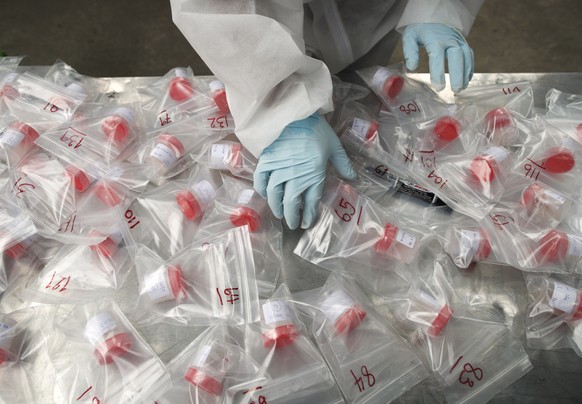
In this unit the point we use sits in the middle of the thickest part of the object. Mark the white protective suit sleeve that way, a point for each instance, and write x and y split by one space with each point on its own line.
458 14
256 48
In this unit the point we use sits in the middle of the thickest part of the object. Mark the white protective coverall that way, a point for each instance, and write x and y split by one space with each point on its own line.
257 48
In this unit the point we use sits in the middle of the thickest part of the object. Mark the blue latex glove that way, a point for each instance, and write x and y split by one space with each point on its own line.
293 167
439 40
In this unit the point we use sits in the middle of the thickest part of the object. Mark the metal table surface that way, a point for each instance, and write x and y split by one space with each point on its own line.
555 375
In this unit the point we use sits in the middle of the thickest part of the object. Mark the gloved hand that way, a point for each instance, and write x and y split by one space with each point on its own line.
439 39
293 167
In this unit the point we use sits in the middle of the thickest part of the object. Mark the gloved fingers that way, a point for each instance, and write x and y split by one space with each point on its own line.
456 62
340 159
436 65
261 180
469 63
292 201
410 48
275 193
311 204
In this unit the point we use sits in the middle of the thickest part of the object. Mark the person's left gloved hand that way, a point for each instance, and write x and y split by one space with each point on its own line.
293 167
439 40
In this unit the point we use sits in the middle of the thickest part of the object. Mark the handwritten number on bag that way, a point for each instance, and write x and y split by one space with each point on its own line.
381 170
409 108
468 372
51 106
359 381
21 186
501 220
349 210
464 377
508 90
59 286
74 141
262 399
219 122
94 400
132 219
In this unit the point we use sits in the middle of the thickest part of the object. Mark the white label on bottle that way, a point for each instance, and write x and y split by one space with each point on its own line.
180 72
116 236
98 326
563 297
554 196
6 335
570 143
361 127
125 113
77 88
380 78
157 286
164 154
216 85
337 303
9 78
11 137
496 153
574 246
115 174
276 311
204 191
202 355
470 241
218 153
245 196
405 238
430 299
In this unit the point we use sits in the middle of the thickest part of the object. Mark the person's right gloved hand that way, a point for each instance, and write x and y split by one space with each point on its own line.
292 169
441 42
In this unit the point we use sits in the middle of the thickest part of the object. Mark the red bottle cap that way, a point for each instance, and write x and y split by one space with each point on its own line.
113 347
481 170
393 86
116 128
577 314
246 216
173 142
188 205
180 89
106 248
4 356
559 161
440 322
552 247
349 320
387 239
280 336
15 252
9 92
484 247
207 383
30 134
107 194
528 197
80 179
373 131
447 129
221 102
176 277
236 158
498 118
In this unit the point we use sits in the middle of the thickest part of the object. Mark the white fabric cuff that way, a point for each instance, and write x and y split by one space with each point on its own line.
454 13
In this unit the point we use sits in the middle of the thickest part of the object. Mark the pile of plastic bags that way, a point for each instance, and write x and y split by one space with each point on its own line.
123 210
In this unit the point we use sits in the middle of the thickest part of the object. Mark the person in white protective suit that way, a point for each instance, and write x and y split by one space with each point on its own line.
276 92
